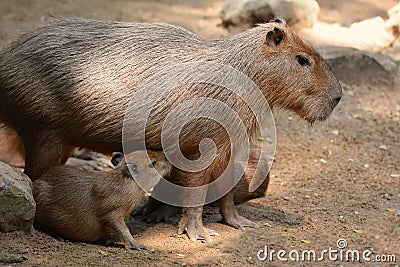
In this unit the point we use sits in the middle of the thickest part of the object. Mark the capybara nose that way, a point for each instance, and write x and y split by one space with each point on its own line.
336 100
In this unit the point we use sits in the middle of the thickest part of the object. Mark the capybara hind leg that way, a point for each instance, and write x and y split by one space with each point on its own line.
43 155
230 214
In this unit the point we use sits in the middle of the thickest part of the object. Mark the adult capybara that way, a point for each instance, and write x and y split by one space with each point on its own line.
67 84
91 206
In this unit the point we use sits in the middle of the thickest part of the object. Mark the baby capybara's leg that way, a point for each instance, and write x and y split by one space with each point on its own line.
118 234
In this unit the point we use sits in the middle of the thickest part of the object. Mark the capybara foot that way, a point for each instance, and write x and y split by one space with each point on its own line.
132 244
239 222
230 214
152 205
162 214
192 224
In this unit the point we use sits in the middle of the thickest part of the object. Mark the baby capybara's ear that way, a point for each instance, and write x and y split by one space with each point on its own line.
116 158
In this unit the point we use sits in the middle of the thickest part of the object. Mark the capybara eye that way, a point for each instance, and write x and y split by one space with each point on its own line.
303 61
152 164
132 167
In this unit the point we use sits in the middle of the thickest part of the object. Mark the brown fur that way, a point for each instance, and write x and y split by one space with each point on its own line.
68 83
155 211
91 206
11 148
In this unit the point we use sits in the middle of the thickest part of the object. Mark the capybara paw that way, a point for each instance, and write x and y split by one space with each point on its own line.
141 210
162 214
196 231
239 222
135 245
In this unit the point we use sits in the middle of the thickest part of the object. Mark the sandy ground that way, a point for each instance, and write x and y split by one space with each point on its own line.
337 179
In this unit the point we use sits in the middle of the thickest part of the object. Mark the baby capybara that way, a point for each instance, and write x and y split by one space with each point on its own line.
91 206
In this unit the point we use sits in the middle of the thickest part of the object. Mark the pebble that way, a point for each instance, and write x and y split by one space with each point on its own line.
383 147
335 132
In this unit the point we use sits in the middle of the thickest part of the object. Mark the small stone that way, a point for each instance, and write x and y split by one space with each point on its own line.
323 161
335 132
103 252
383 147
286 198
366 165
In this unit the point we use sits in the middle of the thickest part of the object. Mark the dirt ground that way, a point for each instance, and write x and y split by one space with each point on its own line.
336 179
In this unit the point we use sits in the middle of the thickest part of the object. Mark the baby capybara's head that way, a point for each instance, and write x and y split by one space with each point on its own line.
141 164
292 74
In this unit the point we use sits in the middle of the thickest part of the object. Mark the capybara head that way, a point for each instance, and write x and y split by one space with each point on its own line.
142 163
292 74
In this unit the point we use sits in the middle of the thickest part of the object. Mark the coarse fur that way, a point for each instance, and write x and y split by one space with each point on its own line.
155 211
68 83
91 206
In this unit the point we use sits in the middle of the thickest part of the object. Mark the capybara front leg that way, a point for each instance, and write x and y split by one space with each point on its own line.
192 224
230 214
119 234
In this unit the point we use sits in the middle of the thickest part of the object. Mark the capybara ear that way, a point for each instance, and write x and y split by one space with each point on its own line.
116 158
278 20
275 37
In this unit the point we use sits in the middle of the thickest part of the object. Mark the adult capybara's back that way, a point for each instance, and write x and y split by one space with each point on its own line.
68 84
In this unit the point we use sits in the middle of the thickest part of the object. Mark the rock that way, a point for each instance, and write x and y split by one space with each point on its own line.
17 206
248 12
356 67
301 13
393 23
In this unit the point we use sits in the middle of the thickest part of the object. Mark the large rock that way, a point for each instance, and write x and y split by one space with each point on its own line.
17 206
301 13
356 67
